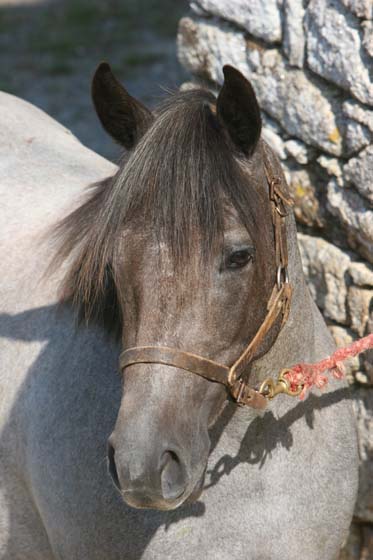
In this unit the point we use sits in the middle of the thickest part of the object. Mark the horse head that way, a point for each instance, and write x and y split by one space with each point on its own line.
176 250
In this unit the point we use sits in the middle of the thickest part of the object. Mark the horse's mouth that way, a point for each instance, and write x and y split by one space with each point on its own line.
144 500
139 501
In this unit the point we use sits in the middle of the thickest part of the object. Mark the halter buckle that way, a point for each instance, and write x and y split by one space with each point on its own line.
247 396
237 392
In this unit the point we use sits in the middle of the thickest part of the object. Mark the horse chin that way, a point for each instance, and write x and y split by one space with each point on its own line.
138 500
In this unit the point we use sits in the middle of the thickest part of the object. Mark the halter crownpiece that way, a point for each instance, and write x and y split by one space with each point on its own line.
278 307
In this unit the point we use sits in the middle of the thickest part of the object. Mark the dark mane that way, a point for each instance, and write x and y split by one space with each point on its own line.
176 183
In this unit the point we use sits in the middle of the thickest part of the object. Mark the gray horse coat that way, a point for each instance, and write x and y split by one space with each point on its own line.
280 485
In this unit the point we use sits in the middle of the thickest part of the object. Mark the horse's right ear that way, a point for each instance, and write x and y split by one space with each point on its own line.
122 116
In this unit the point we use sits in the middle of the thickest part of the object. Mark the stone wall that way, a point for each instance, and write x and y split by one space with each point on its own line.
310 63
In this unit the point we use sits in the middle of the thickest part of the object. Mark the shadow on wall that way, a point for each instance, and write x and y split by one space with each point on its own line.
50 49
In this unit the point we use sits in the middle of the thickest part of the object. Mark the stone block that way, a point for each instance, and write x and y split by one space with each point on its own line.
361 274
357 137
294 99
361 8
360 305
359 172
302 183
355 215
261 19
294 39
325 267
204 48
359 113
334 48
367 27
333 167
299 151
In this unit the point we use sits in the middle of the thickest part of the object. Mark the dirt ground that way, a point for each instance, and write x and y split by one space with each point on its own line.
50 48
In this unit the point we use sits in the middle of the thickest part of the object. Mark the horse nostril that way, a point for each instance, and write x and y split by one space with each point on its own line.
173 476
112 467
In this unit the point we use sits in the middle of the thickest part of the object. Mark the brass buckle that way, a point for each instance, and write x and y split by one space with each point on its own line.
244 395
271 388
237 391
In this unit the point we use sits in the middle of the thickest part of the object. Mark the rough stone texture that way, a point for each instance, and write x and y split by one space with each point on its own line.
288 94
360 303
367 27
359 113
359 171
361 8
298 150
355 215
325 266
357 136
294 40
334 48
333 167
322 130
361 274
201 51
302 182
261 19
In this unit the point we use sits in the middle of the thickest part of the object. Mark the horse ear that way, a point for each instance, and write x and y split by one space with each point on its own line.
238 110
122 116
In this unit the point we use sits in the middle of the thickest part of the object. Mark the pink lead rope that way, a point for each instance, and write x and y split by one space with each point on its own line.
308 375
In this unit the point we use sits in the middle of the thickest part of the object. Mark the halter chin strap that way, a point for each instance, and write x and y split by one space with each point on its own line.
278 308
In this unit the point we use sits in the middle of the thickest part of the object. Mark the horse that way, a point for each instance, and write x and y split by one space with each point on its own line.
174 249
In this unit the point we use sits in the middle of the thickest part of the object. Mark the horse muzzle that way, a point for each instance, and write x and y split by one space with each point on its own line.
161 482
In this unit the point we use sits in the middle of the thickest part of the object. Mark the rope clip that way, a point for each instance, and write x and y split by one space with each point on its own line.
270 388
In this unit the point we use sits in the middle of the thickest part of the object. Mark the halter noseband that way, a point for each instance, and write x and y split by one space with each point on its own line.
278 307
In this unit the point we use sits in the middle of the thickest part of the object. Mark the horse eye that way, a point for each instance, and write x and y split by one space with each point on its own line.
239 259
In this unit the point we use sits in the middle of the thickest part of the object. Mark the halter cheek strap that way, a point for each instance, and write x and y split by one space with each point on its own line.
278 307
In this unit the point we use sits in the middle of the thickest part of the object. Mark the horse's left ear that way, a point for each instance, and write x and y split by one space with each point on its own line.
238 110
121 115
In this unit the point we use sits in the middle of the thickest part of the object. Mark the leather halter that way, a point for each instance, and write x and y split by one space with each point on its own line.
278 307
